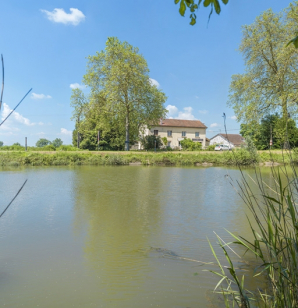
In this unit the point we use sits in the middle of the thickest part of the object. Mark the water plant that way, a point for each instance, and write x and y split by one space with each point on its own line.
274 227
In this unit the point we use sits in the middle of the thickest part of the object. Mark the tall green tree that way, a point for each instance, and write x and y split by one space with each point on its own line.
120 75
57 142
79 103
270 81
42 142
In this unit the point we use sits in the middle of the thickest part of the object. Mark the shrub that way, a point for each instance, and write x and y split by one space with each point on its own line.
189 145
150 142
165 141
211 147
49 147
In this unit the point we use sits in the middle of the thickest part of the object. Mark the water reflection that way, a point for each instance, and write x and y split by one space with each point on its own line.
121 210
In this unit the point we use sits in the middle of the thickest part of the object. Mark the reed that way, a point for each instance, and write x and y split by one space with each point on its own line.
274 227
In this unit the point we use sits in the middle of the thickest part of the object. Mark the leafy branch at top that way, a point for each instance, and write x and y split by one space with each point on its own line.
193 5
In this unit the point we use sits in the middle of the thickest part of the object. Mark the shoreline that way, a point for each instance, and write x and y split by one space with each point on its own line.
203 159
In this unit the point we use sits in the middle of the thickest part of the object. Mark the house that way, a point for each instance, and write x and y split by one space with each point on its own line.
176 130
232 140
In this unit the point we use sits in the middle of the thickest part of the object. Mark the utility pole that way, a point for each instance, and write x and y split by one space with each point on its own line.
25 143
98 137
78 141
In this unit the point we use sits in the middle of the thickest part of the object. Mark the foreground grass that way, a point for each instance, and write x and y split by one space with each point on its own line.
240 157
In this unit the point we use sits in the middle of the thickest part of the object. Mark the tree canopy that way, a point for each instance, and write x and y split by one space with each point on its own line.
57 142
42 142
270 81
122 98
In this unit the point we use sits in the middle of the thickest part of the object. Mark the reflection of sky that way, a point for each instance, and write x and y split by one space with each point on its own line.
80 237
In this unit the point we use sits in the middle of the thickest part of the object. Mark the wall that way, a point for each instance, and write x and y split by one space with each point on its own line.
220 140
177 134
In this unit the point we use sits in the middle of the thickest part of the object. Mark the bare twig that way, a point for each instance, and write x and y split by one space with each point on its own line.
15 107
2 81
13 198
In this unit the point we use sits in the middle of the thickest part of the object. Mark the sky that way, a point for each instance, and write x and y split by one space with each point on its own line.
45 45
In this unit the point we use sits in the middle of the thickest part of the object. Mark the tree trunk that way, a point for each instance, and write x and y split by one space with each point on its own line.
127 132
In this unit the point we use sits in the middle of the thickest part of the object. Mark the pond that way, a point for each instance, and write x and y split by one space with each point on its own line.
90 236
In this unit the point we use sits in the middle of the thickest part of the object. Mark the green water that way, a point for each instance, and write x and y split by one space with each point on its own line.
83 236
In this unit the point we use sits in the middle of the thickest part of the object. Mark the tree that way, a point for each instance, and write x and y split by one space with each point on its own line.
1 143
79 103
57 142
119 75
271 126
16 144
193 5
270 82
42 142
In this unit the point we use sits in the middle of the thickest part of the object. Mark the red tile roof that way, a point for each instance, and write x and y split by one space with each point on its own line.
181 123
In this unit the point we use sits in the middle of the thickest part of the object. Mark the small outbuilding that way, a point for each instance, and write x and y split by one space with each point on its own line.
232 140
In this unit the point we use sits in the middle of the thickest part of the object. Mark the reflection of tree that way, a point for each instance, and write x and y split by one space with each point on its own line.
120 205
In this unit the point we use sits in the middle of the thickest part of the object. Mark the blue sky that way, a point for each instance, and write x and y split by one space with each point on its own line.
45 45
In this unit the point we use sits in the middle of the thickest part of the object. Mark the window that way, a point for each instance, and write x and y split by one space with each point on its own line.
183 134
169 133
169 143
155 132
197 134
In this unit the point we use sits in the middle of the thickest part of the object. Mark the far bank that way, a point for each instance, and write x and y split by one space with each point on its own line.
203 158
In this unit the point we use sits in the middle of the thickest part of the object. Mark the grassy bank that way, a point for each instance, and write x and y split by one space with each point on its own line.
241 157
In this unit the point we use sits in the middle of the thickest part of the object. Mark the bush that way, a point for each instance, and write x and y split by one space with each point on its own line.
211 147
165 141
189 145
150 142
49 147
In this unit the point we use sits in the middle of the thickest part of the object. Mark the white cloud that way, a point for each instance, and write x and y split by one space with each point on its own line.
203 111
234 117
186 114
40 96
154 82
77 86
214 125
60 16
14 116
172 110
66 132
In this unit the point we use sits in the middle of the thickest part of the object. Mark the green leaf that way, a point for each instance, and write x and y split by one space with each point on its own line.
193 21
294 41
225 1
207 2
182 8
177 1
216 6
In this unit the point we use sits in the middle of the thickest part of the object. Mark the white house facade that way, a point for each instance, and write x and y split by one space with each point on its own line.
176 130
231 140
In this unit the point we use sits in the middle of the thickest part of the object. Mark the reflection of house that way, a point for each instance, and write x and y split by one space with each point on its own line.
234 140
176 130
